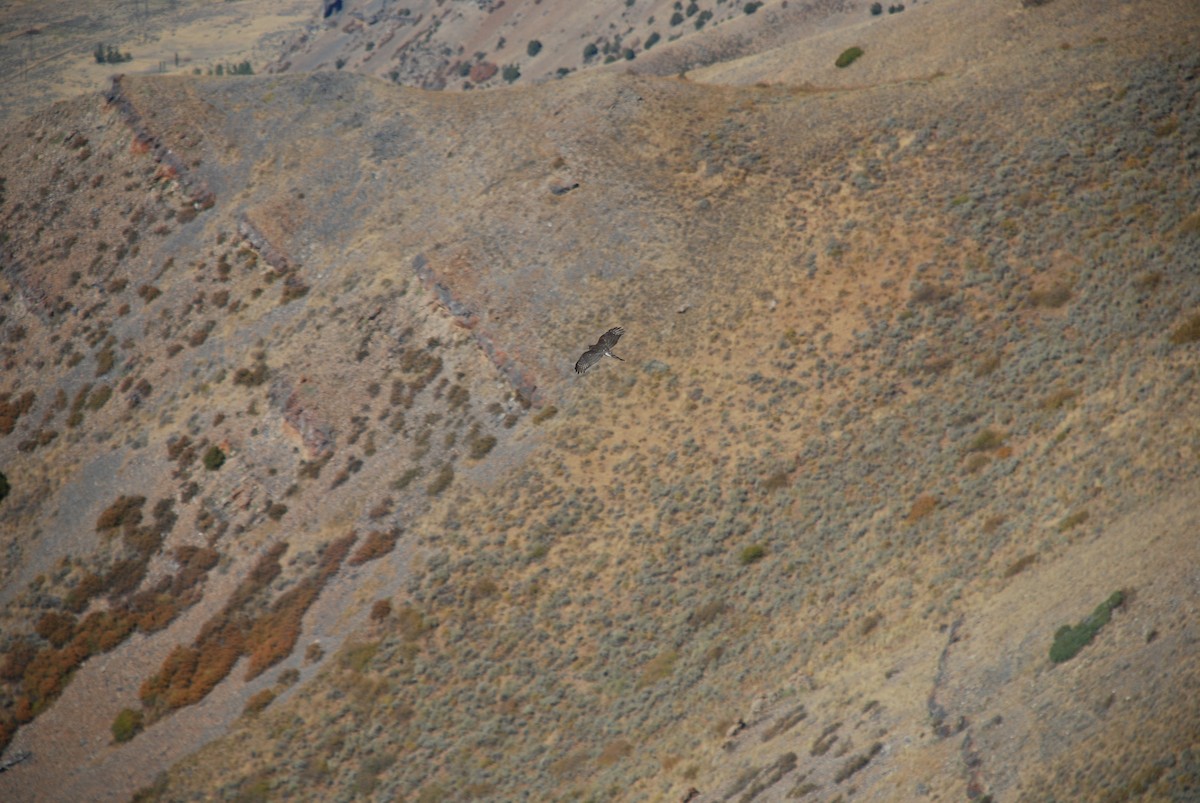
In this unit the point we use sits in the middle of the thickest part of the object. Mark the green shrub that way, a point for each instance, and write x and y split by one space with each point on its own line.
848 57
251 377
127 725
752 554
510 73
533 48
481 446
855 764
985 441
293 288
405 479
99 397
105 360
214 458
1068 641
288 677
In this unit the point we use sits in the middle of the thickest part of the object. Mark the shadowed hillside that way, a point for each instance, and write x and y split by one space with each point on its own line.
305 499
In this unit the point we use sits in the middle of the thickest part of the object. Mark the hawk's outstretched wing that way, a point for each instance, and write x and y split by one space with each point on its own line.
588 359
603 347
609 339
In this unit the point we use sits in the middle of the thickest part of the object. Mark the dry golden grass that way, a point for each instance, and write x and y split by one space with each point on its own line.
922 506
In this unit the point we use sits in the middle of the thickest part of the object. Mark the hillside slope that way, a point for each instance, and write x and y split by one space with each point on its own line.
489 43
908 385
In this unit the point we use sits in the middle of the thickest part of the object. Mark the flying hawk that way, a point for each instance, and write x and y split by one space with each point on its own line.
602 349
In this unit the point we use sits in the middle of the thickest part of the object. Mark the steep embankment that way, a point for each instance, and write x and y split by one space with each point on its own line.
908 385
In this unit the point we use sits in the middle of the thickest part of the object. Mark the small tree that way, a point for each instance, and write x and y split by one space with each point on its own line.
107 54
534 48
511 73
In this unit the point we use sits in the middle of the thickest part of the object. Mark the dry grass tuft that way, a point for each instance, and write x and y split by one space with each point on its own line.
1187 332
377 544
1053 297
921 507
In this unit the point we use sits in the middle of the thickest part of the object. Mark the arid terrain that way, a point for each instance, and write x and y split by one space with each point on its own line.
48 47
894 496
